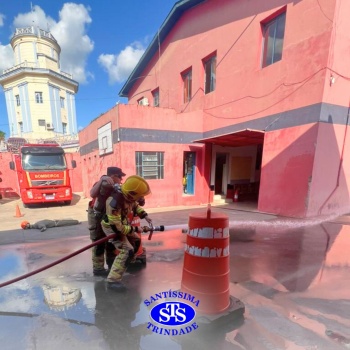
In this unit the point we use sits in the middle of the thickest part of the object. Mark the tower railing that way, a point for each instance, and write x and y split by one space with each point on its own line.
27 64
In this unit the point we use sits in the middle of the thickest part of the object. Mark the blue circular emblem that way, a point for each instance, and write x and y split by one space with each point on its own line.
172 313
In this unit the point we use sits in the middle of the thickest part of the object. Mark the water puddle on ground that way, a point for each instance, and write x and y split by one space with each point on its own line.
292 279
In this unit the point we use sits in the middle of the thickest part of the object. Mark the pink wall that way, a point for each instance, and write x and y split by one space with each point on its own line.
287 170
244 91
329 192
165 192
309 166
76 173
304 170
8 186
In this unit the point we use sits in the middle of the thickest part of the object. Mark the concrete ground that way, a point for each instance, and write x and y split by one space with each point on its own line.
290 277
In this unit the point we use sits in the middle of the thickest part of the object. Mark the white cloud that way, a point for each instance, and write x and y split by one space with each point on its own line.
37 17
2 18
70 33
120 66
6 57
76 45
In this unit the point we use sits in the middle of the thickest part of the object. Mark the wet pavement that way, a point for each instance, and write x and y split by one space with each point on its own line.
292 277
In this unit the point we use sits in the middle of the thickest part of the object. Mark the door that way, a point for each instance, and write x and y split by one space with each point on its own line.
189 172
220 175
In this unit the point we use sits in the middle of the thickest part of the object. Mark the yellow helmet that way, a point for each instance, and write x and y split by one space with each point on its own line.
134 188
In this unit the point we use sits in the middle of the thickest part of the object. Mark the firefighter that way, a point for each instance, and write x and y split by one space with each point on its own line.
118 209
101 190
45 224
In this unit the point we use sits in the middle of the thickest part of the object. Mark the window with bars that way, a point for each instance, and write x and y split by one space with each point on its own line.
273 37
210 74
150 165
187 85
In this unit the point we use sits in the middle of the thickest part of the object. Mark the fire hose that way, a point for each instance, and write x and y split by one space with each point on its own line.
149 229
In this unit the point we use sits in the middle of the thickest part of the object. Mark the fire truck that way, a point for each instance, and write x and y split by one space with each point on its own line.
42 173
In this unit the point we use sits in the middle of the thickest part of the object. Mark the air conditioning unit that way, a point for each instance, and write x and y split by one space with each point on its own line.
49 126
144 102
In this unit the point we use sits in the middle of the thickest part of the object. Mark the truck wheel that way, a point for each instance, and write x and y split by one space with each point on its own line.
67 202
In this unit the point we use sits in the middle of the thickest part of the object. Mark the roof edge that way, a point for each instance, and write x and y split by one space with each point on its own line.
175 13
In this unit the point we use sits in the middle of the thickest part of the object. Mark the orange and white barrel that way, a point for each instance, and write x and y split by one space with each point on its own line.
206 270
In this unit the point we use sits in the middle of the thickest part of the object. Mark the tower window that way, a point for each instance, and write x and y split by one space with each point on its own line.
18 101
38 97
62 102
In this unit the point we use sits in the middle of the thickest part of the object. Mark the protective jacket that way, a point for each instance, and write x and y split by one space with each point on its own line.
117 213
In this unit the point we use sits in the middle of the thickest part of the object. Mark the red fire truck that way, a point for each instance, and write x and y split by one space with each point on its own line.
42 174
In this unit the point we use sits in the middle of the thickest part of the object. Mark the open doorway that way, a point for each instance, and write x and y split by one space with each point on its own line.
189 172
220 173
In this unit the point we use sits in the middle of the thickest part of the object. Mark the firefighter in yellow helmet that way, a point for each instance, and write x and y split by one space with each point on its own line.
118 207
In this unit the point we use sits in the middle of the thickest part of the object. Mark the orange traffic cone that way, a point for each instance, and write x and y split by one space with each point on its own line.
18 212
206 269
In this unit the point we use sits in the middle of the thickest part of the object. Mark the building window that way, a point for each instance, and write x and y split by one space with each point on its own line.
18 101
62 102
273 36
150 165
210 74
155 94
42 122
20 126
64 128
39 97
143 101
187 83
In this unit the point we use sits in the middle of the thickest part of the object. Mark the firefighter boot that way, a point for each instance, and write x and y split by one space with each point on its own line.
98 262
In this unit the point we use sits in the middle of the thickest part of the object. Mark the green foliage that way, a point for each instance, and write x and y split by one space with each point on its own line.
2 135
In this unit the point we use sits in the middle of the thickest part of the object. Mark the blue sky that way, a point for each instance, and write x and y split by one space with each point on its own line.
101 42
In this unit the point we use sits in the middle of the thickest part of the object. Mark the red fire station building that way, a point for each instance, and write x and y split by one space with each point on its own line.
248 97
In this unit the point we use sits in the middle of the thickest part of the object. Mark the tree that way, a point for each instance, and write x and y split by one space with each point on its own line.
2 135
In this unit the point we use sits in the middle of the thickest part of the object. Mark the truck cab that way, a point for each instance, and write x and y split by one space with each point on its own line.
43 174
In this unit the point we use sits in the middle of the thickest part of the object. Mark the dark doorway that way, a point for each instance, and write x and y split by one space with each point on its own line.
219 172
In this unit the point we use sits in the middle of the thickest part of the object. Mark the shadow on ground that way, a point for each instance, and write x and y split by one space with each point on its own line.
75 200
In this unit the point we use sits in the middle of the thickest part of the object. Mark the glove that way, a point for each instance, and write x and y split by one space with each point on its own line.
136 229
